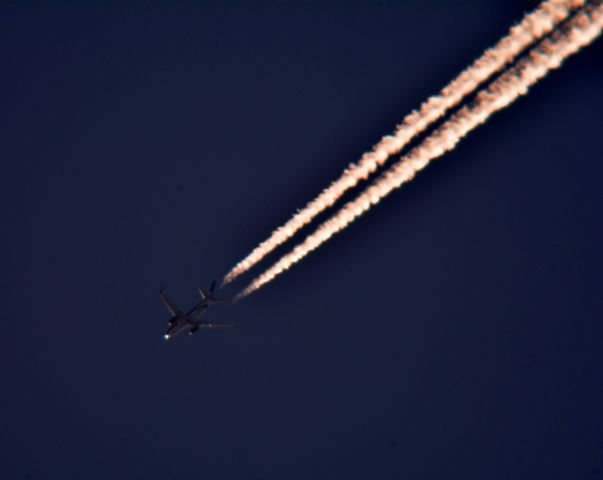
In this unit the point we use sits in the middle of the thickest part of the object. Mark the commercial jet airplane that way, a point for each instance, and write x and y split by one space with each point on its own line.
181 321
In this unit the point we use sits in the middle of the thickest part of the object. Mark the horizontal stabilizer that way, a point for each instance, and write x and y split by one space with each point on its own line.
208 295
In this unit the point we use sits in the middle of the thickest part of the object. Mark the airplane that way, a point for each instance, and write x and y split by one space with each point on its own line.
181 321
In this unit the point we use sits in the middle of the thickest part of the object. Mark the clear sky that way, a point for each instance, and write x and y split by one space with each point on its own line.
452 332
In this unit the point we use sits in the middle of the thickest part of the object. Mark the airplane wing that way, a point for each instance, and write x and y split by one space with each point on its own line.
218 325
173 309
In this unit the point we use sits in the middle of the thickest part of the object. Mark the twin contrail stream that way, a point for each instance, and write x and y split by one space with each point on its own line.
578 31
533 27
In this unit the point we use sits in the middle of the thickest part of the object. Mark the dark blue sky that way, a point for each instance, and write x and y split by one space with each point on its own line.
452 332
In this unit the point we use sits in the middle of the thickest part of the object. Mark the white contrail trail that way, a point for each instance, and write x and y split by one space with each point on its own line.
533 27
579 31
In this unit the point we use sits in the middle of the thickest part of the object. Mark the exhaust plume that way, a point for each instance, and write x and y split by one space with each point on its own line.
578 32
531 28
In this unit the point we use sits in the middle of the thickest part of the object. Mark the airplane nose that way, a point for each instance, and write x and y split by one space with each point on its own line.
167 337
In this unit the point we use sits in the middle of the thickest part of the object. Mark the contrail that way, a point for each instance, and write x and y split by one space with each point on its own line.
579 31
533 27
